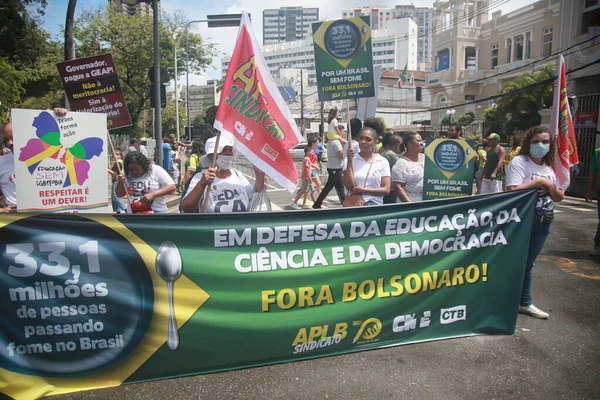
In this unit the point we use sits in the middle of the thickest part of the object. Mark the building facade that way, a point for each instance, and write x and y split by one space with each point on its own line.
288 24
379 15
132 7
423 16
393 48
201 97
578 35
474 57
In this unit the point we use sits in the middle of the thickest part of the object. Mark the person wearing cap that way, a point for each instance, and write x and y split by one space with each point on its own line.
230 191
143 144
492 182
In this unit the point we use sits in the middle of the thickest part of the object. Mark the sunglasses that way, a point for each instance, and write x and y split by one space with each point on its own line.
536 141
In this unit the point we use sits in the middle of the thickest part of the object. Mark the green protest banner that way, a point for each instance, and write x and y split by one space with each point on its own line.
91 301
449 168
343 58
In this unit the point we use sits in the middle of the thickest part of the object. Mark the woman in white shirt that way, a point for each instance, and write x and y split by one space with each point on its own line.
367 172
230 191
146 183
408 172
532 169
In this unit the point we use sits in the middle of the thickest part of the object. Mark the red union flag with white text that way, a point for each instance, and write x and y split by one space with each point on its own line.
254 113
562 129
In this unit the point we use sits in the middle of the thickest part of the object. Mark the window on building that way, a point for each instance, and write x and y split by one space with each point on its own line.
590 17
470 97
494 55
508 50
419 94
528 45
519 48
547 42
470 58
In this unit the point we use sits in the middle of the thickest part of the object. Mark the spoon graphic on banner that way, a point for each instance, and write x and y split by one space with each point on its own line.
168 267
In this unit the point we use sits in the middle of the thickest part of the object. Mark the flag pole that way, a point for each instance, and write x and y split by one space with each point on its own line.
349 127
112 149
214 163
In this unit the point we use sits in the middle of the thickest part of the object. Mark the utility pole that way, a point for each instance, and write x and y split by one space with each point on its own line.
322 122
302 130
157 87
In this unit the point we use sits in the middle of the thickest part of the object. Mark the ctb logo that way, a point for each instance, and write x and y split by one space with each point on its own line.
451 315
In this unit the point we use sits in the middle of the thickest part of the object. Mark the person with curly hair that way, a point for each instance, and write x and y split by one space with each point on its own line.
533 169
146 183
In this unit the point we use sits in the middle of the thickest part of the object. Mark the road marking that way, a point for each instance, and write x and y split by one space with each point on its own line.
569 266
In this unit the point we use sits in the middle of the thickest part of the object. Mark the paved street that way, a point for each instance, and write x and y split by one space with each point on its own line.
557 358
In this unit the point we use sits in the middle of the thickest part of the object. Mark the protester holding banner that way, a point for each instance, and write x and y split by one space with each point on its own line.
230 191
334 130
367 173
146 183
408 172
533 168
7 166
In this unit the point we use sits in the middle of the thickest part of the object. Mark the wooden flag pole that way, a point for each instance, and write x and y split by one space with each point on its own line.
349 127
112 149
214 163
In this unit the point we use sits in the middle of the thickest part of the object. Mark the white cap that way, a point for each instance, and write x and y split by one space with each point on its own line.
209 147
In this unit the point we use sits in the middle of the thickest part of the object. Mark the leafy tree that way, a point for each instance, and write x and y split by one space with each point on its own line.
466 118
168 119
535 91
130 40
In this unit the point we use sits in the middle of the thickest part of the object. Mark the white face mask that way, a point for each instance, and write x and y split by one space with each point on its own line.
225 162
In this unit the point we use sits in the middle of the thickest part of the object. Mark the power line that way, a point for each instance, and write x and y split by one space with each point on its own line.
525 88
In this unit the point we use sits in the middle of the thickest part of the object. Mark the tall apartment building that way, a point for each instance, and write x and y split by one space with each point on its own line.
393 48
132 7
474 57
379 15
287 24
423 16
201 97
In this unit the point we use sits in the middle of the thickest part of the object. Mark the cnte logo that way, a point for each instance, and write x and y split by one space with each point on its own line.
450 315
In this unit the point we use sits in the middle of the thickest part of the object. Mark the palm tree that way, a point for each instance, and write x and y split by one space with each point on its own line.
220 83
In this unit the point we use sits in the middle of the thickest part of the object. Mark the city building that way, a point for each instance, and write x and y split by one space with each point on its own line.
393 48
474 57
132 7
423 16
580 22
379 15
201 97
288 24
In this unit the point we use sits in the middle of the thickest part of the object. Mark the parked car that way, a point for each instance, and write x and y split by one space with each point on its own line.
298 152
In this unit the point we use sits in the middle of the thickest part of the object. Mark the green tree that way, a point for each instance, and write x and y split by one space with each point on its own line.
130 40
466 118
169 125
534 92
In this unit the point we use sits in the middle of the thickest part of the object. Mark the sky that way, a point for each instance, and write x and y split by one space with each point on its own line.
224 38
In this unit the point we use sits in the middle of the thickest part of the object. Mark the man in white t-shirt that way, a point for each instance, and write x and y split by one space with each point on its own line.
7 171
143 144
335 158
229 190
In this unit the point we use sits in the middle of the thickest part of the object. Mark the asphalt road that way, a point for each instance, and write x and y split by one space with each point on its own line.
558 358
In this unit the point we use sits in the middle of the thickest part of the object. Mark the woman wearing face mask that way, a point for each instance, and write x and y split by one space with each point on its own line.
230 191
533 169
146 183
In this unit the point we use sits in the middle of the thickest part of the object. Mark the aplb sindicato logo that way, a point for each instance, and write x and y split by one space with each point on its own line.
318 337
368 332
451 315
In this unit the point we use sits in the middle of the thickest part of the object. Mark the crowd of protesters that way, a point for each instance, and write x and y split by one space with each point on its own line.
369 168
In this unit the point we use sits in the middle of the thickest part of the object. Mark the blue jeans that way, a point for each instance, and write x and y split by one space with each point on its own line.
597 237
539 233
117 203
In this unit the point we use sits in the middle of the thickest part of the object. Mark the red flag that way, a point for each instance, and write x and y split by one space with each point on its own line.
561 126
253 111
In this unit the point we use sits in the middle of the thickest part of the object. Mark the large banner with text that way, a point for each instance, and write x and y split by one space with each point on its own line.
92 301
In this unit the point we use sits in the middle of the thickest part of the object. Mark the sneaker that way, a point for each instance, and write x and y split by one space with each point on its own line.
533 311
595 252
295 206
